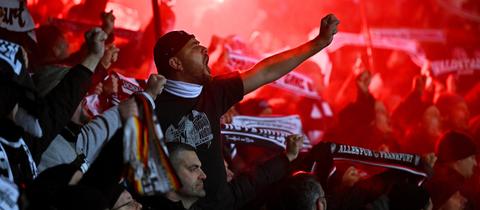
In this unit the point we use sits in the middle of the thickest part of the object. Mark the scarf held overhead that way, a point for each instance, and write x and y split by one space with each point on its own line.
263 131
400 161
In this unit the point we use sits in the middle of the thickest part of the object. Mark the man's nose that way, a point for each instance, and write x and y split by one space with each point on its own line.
202 175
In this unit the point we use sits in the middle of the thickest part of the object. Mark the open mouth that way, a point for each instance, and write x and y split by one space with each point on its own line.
206 59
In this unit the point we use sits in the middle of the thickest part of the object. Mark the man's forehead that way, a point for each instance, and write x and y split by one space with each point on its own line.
192 41
189 158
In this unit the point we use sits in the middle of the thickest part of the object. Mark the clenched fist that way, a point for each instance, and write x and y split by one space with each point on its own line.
155 85
328 28
95 39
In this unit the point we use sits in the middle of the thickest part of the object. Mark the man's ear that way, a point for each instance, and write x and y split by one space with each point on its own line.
319 205
175 63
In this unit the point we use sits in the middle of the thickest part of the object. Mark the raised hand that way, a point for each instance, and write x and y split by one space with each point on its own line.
108 21
95 39
155 85
294 145
419 83
363 81
110 56
328 28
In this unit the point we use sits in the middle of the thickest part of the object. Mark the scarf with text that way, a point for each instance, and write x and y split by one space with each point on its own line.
400 161
263 131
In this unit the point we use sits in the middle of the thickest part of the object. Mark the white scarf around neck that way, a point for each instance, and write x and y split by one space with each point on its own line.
183 89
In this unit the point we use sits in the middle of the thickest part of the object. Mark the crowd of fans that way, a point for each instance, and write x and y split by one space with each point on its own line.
65 120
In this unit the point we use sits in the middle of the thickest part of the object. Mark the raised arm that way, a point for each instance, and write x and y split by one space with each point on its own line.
274 67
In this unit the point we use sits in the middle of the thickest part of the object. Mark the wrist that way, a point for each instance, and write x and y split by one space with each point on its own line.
290 156
91 61
150 93
320 42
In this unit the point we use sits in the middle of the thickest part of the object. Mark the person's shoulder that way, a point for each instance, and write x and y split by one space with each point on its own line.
226 76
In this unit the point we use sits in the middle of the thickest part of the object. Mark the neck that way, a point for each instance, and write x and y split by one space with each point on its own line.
187 202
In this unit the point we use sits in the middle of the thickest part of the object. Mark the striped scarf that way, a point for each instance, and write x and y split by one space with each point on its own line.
150 170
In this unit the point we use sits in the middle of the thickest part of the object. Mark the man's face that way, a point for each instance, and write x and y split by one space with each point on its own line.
460 115
190 174
194 59
466 167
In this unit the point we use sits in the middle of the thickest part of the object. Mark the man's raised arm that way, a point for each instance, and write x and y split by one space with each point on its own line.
274 67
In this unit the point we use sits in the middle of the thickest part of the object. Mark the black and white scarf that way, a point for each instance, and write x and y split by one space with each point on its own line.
400 161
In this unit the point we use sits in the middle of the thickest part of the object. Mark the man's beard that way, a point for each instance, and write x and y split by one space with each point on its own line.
205 79
193 192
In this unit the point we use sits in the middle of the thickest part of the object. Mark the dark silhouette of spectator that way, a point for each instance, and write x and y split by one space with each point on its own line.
299 192
454 111
455 165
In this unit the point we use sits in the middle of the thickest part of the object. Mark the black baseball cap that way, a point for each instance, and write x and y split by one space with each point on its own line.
168 46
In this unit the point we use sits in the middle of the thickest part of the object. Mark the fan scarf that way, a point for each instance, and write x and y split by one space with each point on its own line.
150 170
400 161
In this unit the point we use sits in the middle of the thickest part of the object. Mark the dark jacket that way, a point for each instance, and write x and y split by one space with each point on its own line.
53 112
444 183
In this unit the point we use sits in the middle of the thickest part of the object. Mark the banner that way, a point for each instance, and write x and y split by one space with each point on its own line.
15 16
461 9
408 46
460 66
420 35
264 131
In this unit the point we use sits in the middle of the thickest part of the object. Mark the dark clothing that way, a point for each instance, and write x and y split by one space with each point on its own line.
197 122
159 202
445 183
58 106
18 165
244 188
53 112
418 141
409 112
367 191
